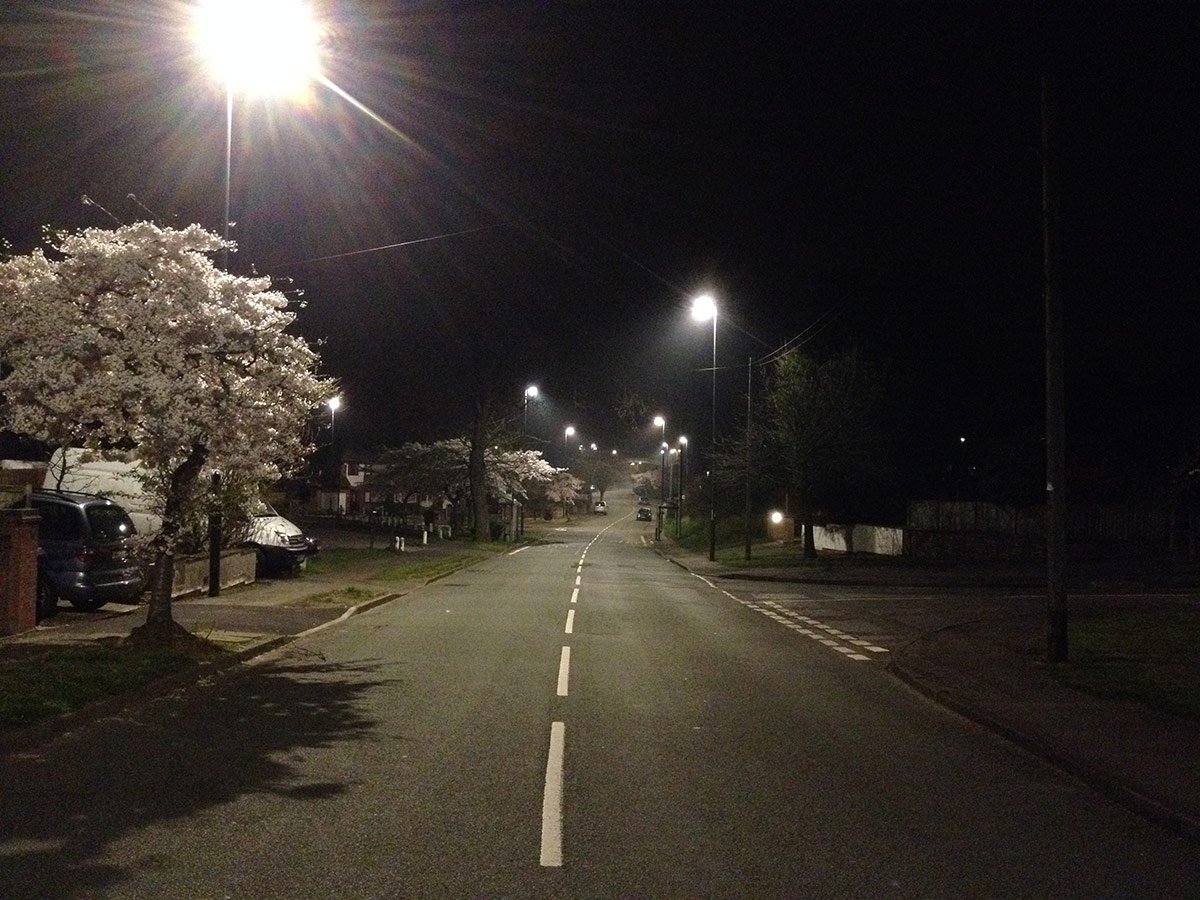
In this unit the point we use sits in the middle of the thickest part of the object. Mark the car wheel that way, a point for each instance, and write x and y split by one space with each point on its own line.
47 599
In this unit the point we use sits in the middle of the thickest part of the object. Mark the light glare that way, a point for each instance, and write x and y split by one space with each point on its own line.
704 308
259 46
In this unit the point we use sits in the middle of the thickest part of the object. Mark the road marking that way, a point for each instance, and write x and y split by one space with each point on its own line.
794 621
552 798
580 567
564 671
578 580
519 549
570 620
574 595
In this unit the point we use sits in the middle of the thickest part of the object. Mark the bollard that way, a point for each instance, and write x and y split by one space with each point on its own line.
396 543
401 545
424 538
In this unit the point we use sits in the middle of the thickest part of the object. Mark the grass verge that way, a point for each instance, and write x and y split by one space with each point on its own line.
339 560
417 568
56 680
1150 656
348 596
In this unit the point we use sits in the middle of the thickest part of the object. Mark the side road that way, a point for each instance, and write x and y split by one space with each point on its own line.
980 666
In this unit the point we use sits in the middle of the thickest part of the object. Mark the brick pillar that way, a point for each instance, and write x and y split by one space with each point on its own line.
18 570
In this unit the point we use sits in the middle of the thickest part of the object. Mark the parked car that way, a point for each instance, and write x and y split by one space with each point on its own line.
601 508
279 544
85 552
644 514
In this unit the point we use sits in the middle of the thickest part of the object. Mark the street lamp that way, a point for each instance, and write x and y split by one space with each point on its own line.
683 442
660 422
704 308
265 47
531 393
662 487
334 404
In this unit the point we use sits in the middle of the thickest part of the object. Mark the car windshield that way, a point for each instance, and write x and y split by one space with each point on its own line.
110 523
262 508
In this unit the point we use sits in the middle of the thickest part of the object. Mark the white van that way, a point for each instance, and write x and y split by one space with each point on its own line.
280 544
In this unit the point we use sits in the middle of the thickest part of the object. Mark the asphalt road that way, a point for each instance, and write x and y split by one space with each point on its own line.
584 719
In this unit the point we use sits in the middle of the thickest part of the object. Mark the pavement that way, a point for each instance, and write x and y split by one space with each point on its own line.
979 667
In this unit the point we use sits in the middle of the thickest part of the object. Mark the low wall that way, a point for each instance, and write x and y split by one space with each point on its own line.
191 572
865 539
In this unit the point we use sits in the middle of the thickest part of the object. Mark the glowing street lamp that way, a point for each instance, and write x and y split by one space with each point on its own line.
257 47
334 404
531 393
704 308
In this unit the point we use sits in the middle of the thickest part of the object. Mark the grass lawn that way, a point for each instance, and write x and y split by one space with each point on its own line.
50 681
419 568
1147 655
342 559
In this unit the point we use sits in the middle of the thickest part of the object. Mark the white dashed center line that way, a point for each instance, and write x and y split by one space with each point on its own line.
552 798
564 671
570 621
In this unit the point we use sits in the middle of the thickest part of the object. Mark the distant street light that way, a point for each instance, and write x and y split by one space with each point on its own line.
334 404
264 47
531 393
662 487
704 308
660 422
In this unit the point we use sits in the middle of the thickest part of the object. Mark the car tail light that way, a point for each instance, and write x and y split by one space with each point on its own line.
87 557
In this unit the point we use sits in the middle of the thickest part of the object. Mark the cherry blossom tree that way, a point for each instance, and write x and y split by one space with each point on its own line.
130 341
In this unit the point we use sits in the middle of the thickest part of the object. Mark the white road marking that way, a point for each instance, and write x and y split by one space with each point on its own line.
790 619
570 621
578 580
574 595
552 798
564 671
519 549
579 568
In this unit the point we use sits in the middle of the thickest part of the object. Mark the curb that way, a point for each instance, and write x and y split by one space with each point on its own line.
1107 784
40 733
25 739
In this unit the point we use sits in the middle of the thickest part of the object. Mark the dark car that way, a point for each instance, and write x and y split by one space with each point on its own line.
85 552
644 514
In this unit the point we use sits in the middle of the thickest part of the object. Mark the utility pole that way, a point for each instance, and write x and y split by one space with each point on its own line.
749 387
1056 500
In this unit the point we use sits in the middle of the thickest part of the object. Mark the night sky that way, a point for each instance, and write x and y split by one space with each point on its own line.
869 171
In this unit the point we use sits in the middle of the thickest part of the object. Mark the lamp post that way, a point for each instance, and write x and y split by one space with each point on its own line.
260 47
704 308
334 404
683 443
662 487
660 422
531 393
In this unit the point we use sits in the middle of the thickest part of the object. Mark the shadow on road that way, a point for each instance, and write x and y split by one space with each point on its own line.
185 755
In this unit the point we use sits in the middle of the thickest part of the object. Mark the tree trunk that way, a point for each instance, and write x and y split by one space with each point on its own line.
810 537
478 474
159 617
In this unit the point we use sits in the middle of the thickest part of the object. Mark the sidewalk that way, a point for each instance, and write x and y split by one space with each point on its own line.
981 668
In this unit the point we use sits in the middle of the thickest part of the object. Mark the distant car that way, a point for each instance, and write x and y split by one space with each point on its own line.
644 514
601 508
85 552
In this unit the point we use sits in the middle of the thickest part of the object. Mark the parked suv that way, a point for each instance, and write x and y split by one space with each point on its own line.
85 552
